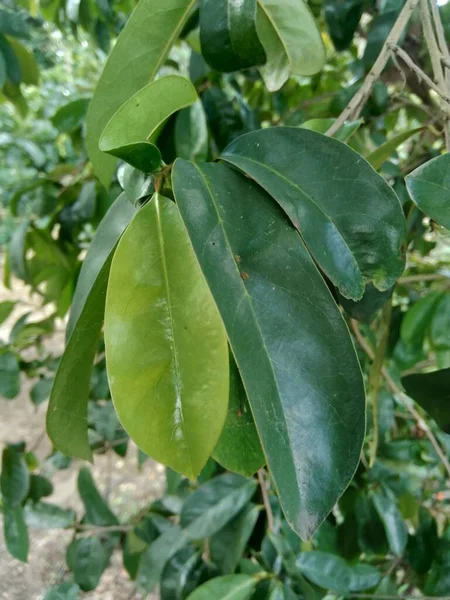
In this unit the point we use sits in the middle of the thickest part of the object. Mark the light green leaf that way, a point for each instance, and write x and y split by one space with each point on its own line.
228 587
343 134
15 532
67 410
28 64
138 54
43 515
214 504
166 348
349 217
9 374
191 133
429 188
239 449
289 339
291 40
141 116
384 152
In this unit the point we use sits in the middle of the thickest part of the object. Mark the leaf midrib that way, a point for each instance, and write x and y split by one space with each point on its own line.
174 346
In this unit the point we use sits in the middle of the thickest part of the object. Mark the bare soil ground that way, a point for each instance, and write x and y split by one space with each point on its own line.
127 488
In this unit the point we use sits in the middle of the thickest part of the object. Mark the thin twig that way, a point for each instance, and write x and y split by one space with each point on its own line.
406 400
422 76
435 55
419 278
445 52
354 107
265 495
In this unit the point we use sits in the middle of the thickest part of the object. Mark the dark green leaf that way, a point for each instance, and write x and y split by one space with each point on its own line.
87 558
15 532
63 591
6 308
71 116
395 527
96 507
228 587
228 35
14 23
432 392
28 64
40 487
177 572
41 391
239 449
44 515
215 503
261 277
381 154
440 325
166 348
14 478
342 17
325 570
363 577
417 320
9 375
429 188
350 247
365 309
16 251
13 68
228 544
146 53
67 411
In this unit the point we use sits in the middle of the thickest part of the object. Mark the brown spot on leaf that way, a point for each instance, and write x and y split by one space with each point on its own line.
244 275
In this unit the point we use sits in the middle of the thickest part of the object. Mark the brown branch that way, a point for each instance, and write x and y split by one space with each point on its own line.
266 500
406 400
354 107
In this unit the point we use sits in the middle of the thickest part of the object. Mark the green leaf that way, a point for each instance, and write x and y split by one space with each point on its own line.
9 374
14 478
87 558
135 60
15 532
440 325
28 64
3 70
135 122
96 507
180 574
429 188
13 68
135 184
325 570
166 347
16 251
366 308
395 527
286 333
343 134
417 320
384 152
356 233
44 515
228 35
71 116
63 591
363 577
342 17
40 487
14 23
228 545
67 410
432 392
228 587
191 133
290 39
158 554
214 504
239 449
41 391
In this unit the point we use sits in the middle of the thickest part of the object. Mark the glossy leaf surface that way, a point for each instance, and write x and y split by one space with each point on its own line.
395 528
432 392
139 117
215 503
239 449
228 587
291 40
280 319
67 410
134 62
166 347
228 35
14 478
349 217
429 188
